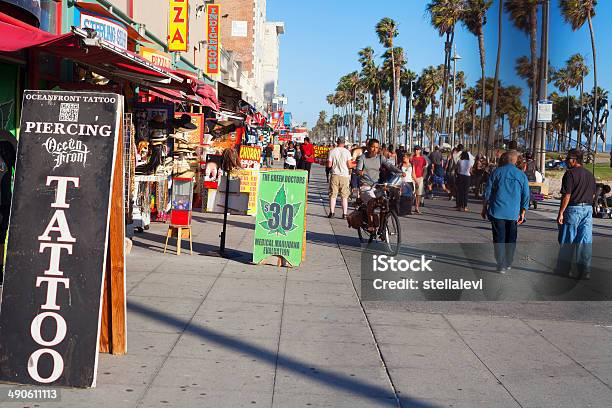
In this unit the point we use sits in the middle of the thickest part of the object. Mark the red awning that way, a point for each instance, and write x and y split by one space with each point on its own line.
208 95
205 92
102 56
16 35
168 94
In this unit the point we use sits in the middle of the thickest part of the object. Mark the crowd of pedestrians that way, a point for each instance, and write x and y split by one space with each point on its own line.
503 182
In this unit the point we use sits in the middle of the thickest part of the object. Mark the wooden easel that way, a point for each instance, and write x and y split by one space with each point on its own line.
180 231
113 326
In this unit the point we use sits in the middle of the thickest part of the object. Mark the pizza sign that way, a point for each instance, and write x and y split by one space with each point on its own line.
178 25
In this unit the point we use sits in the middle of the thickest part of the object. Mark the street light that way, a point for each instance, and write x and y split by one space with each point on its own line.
455 58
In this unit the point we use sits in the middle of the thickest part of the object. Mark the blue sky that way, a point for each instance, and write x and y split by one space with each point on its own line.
322 39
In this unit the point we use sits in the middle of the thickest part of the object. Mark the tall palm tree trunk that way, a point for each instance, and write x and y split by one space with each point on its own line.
481 46
579 136
473 132
495 82
533 33
445 79
374 115
568 132
595 110
392 133
433 124
407 124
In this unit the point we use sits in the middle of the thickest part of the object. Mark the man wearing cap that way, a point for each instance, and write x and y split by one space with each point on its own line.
339 161
575 218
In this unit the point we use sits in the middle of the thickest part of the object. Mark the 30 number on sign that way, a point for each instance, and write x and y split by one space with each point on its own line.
282 217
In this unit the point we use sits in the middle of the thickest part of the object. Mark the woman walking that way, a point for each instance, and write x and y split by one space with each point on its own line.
290 161
464 172
407 191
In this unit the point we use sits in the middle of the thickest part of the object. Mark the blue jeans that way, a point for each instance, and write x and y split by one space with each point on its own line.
504 240
576 239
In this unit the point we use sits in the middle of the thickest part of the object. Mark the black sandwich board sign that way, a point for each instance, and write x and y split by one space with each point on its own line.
57 241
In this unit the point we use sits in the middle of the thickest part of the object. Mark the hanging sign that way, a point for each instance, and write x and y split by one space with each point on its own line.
213 38
321 153
161 59
56 253
280 225
250 157
249 180
108 30
545 111
178 25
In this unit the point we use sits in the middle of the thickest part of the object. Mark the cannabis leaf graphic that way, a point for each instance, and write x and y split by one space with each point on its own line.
279 214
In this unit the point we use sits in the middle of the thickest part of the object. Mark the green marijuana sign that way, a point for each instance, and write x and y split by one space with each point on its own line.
279 214
281 218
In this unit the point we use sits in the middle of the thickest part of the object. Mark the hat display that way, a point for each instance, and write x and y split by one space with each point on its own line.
179 136
184 146
157 122
184 122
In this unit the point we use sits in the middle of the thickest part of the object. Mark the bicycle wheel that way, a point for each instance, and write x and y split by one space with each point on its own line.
364 236
392 233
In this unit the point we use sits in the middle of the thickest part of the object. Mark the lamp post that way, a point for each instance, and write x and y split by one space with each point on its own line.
452 130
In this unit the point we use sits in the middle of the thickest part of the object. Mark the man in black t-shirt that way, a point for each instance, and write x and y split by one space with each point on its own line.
575 217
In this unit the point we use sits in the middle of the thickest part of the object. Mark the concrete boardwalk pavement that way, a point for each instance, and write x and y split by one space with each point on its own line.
205 331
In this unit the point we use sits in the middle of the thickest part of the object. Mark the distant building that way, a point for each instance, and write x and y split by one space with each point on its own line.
271 59
279 102
245 33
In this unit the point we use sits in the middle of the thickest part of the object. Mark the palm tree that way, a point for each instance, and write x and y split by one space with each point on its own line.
387 30
578 70
563 82
524 16
474 19
394 61
428 85
509 103
602 101
576 13
495 81
445 14
470 104
368 80
406 83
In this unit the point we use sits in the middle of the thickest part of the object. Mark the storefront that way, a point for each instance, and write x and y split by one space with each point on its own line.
98 54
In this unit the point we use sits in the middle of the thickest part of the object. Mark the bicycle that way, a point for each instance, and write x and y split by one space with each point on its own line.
386 222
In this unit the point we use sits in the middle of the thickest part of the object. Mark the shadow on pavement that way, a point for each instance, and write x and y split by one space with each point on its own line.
327 377
199 249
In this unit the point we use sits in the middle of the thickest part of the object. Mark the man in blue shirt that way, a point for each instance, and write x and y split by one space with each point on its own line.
506 199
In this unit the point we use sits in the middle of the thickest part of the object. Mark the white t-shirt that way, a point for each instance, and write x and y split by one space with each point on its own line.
339 156
290 159
408 171
463 167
